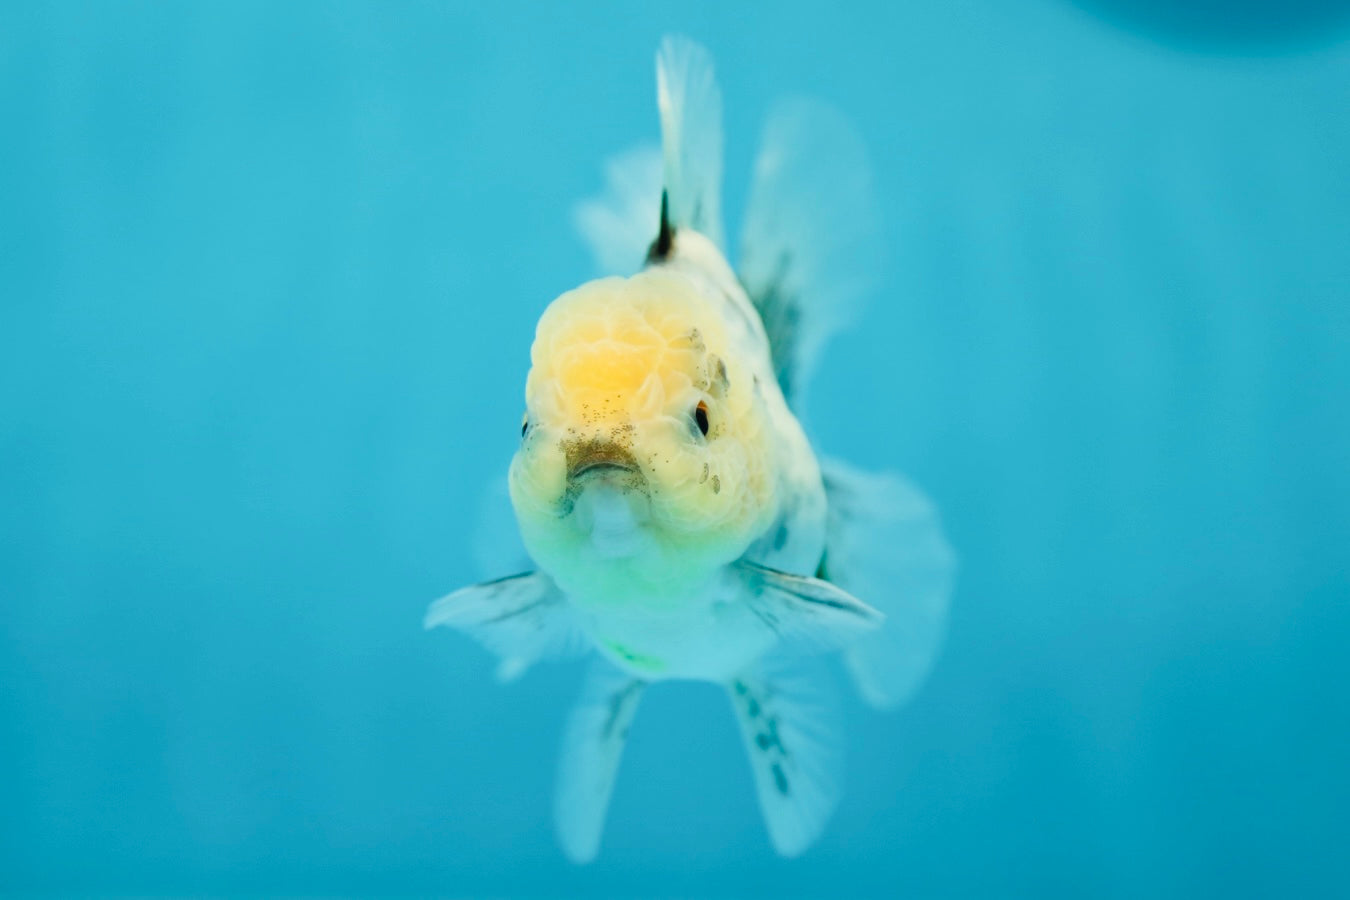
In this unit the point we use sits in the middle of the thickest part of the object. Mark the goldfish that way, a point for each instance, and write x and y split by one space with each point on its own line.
679 520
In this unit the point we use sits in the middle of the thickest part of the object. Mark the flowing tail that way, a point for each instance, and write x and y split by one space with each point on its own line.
884 544
810 246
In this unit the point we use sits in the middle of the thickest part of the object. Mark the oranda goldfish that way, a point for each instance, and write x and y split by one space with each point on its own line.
680 523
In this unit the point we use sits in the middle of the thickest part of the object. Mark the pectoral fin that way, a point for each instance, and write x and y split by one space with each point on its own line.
806 614
521 618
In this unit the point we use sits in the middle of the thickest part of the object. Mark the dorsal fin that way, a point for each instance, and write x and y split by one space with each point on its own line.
665 234
691 139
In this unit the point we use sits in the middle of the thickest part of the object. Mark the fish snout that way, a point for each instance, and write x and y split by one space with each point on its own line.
599 456
607 496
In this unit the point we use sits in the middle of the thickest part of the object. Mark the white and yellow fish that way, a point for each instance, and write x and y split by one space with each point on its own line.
681 524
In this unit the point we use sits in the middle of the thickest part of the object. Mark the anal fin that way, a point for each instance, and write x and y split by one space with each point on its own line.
790 728
593 742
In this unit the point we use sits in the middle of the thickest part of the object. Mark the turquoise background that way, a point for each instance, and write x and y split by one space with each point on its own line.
268 277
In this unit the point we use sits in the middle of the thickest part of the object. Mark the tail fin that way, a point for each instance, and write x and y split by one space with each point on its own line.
617 225
790 728
690 103
810 248
593 743
884 544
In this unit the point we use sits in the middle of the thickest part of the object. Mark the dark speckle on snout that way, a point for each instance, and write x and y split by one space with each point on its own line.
597 456
596 452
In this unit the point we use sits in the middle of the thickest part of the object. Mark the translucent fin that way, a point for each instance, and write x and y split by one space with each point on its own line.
619 225
806 614
522 619
691 136
593 743
810 248
791 732
496 542
884 542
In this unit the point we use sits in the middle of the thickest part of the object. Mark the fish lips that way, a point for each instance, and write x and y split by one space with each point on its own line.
607 499
600 458
609 468
600 468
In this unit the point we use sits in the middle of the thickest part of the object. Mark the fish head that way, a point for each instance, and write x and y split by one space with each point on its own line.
642 433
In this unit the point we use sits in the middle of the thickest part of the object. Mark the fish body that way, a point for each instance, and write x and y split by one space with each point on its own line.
636 515
679 521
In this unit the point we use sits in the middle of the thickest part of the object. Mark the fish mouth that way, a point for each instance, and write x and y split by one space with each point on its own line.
606 490
600 467
598 458
607 498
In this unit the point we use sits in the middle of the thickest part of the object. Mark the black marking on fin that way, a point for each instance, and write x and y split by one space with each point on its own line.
805 590
660 248
764 733
616 703
780 311
512 613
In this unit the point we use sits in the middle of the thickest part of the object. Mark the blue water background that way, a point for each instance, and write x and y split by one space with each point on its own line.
268 277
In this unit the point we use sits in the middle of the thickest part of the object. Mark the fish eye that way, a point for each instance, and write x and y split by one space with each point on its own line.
701 417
